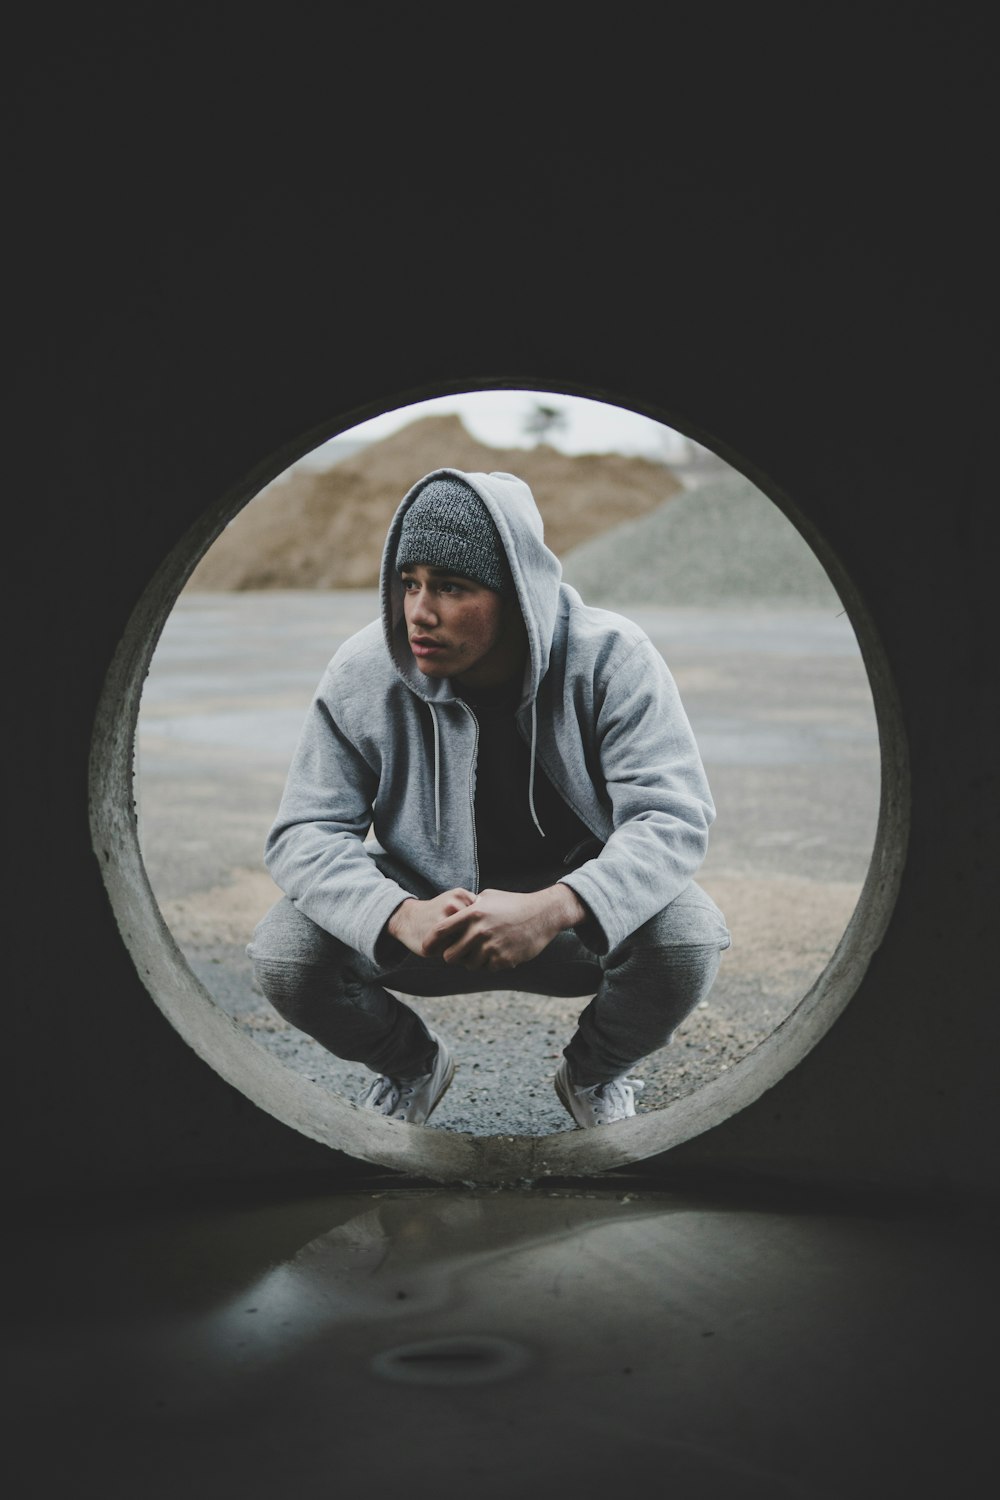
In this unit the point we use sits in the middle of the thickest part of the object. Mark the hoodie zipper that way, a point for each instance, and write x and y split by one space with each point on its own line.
473 771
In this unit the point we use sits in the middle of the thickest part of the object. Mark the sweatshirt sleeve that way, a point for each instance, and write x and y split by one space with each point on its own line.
315 850
660 802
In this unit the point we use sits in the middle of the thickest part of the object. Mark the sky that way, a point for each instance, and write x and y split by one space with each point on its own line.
498 418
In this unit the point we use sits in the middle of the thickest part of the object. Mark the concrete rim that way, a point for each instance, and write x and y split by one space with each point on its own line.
445 1156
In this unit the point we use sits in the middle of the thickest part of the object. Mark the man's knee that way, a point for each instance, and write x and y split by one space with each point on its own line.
691 921
291 955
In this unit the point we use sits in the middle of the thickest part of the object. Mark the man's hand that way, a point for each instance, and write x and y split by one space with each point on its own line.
415 924
498 930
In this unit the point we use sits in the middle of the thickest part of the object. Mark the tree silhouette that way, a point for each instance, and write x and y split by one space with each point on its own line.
543 419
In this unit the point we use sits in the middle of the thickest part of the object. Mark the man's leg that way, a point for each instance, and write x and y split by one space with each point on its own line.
645 988
341 999
648 986
335 995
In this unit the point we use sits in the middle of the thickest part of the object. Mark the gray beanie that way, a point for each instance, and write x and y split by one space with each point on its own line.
448 526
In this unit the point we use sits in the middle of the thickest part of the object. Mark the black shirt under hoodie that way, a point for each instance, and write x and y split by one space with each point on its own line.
509 844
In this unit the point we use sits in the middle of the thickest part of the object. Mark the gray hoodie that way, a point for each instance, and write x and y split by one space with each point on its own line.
386 762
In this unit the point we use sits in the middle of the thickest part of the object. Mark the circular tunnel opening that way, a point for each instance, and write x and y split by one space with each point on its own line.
771 666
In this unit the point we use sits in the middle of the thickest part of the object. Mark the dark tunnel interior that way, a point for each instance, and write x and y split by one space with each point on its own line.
235 234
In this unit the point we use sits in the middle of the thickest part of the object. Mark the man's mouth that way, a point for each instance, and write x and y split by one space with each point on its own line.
423 645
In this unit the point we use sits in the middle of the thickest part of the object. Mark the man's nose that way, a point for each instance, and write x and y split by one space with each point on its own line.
422 610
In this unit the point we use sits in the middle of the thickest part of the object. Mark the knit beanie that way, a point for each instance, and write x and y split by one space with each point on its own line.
448 526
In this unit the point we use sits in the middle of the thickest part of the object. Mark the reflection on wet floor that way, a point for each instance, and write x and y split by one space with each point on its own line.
551 1338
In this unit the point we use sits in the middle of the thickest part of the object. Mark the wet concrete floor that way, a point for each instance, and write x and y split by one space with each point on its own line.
405 1340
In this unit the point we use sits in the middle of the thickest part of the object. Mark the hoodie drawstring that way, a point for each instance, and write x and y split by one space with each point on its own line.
531 771
437 775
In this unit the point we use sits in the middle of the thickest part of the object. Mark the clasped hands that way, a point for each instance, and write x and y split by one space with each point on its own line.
495 930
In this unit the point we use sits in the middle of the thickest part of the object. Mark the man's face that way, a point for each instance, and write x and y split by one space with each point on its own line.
460 628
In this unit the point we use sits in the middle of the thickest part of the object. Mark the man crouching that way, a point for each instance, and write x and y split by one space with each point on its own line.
496 787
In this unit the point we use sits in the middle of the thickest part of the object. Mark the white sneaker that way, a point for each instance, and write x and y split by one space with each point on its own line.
412 1100
601 1103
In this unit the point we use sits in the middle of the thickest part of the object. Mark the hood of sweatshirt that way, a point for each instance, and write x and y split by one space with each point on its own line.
536 572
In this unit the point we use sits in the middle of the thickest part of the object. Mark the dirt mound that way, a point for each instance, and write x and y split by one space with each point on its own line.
325 529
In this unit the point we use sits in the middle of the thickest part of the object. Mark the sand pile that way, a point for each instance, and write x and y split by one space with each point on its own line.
325 529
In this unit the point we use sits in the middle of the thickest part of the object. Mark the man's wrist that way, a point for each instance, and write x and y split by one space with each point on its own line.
570 909
394 923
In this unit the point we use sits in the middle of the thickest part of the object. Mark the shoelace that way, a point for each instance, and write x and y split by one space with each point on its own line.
383 1095
387 1094
612 1095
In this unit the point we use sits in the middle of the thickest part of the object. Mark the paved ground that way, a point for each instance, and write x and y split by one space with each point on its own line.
781 707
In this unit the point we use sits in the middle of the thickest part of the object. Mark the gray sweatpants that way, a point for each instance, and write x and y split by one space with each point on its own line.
641 990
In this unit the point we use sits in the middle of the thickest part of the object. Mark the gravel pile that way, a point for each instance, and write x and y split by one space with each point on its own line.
721 543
